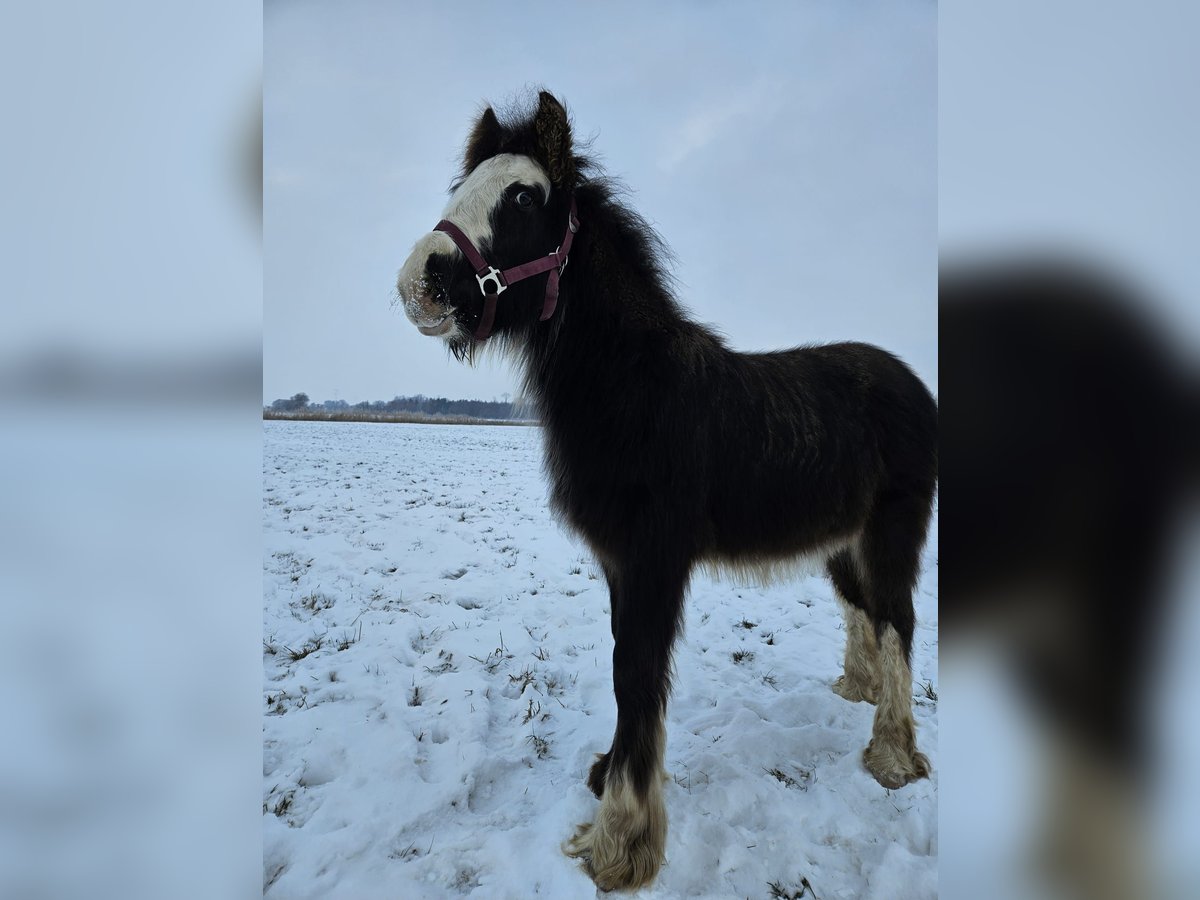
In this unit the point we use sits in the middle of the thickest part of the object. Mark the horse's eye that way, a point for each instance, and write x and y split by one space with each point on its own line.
524 200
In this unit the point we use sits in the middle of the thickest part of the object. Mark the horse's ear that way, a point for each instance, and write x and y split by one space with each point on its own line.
484 141
554 140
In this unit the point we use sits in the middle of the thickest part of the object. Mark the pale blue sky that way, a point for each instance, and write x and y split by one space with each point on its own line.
787 152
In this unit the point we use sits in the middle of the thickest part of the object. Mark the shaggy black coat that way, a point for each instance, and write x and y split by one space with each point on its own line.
666 449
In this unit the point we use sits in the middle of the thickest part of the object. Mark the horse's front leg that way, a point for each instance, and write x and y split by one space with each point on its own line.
623 848
599 770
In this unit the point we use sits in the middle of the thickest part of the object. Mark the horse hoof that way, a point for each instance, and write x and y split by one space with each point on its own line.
625 863
894 767
853 691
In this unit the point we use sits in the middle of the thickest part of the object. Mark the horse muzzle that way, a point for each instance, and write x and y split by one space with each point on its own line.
431 318
437 329
418 288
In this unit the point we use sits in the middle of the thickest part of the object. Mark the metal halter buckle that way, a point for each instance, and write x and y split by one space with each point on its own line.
492 274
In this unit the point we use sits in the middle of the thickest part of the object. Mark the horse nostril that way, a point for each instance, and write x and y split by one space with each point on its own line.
438 267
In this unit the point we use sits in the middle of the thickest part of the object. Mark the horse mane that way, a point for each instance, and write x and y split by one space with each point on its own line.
606 199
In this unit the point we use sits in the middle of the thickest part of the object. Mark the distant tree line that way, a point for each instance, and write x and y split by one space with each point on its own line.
429 406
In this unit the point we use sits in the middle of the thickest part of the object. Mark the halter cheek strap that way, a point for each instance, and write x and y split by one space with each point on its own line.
493 282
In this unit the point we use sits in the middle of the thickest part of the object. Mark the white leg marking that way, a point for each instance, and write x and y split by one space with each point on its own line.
623 849
1093 836
892 755
861 677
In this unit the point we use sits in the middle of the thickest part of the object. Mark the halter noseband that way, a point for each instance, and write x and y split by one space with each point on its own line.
493 282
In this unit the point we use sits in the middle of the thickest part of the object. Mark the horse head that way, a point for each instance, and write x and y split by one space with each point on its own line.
480 271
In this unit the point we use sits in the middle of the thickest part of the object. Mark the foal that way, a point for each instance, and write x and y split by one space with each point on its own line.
666 450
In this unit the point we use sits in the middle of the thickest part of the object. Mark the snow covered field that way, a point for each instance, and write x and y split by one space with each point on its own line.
437 680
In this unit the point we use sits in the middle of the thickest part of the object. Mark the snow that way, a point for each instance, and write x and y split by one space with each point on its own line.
437 740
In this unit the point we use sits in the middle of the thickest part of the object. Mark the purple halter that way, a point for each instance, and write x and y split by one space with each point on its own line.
493 282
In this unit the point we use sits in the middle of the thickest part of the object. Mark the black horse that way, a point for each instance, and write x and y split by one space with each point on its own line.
666 450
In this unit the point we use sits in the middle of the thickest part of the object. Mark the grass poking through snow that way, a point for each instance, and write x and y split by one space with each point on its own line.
787 780
541 746
312 645
779 891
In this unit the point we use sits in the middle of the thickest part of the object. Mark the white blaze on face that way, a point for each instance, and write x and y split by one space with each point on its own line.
470 209
481 192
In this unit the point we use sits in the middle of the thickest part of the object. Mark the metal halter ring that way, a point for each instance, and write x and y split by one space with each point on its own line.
493 275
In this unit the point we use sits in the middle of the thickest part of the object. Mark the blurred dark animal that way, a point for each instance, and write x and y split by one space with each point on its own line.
1068 455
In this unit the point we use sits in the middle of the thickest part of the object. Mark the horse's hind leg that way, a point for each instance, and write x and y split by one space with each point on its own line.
890 553
860 670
